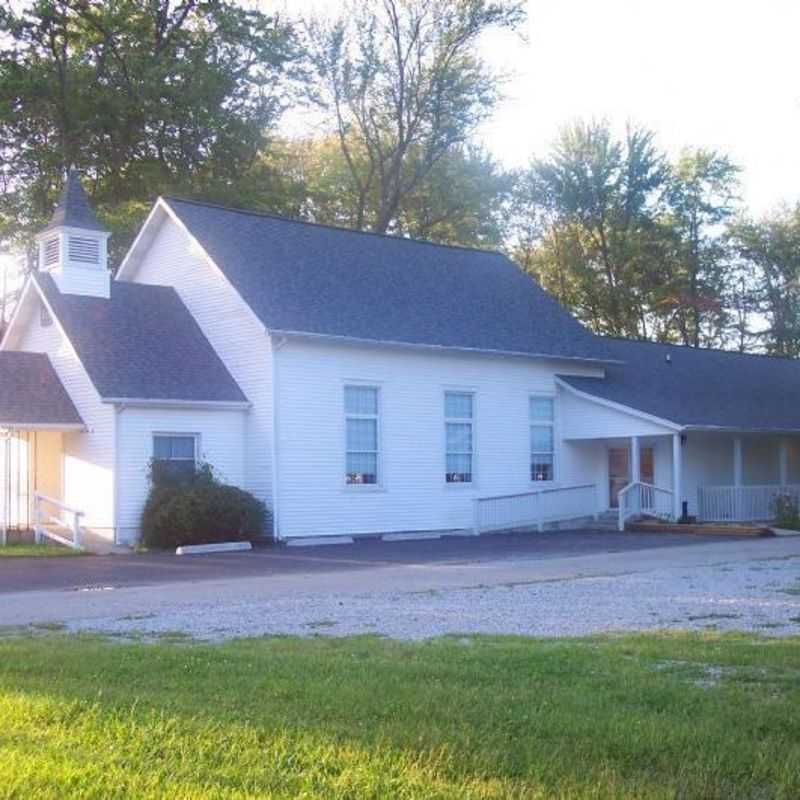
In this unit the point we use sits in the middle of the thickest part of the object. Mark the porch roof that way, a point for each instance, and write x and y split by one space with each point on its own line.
700 388
31 394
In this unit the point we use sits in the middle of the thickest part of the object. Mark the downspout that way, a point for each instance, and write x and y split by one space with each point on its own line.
276 344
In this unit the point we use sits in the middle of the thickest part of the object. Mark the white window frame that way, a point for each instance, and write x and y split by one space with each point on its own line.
175 435
472 421
379 479
553 425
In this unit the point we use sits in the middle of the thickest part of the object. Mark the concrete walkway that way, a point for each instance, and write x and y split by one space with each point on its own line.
288 574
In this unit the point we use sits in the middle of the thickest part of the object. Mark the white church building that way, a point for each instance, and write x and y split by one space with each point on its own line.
359 384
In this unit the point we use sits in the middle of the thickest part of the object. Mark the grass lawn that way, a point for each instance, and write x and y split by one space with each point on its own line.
38 551
689 716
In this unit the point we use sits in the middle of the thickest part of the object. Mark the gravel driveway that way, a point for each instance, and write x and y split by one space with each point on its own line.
757 595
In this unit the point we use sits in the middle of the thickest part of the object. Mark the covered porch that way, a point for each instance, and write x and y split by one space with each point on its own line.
708 476
36 414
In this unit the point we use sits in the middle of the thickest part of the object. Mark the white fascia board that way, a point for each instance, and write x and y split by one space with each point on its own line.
41 426
26 290
734 429
439 348
633 412
126 262
144 402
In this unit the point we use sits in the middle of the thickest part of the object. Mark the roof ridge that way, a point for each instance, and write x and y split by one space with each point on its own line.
691 348
328 226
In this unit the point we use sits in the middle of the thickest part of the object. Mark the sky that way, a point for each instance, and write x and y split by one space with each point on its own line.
720 74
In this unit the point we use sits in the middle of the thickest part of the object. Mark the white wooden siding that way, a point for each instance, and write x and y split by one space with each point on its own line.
233 331
592 420
215 429
88 466
313 498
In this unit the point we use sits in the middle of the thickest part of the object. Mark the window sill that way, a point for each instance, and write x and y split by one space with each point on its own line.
460 486
363 489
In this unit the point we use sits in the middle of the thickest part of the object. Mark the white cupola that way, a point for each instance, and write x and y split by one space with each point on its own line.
73 246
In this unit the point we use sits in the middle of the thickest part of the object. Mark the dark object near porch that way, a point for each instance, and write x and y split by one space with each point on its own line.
685 518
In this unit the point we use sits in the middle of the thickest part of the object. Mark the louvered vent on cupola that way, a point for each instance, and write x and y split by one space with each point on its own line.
73 247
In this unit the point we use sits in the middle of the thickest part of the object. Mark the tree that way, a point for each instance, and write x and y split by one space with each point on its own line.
404 87
586 226
461 200
771 248
145 96
701 197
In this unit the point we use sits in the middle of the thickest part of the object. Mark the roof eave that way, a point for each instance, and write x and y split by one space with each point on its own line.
151 402
705 428
354 340
42 426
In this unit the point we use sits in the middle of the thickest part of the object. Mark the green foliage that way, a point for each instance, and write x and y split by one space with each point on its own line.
199 510
401 85
787 513
701 197
769 250
646 717
587 229
460 201
633 244
147 98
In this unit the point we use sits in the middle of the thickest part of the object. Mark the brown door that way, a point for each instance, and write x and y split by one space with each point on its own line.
646 466
619 473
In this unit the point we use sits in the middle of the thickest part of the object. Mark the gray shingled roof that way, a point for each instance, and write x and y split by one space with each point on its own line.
73 207
31 393
315 279
700 388
142 343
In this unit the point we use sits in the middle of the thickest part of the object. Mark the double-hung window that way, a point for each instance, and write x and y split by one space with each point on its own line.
459 409
542 425
361 424
175 456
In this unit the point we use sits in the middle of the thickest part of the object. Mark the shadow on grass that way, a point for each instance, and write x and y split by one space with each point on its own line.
365 717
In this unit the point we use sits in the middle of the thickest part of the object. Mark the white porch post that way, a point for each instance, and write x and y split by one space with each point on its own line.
737 477
783 463
636 471
737 461
677 475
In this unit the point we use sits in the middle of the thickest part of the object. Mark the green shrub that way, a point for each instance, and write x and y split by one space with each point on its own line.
200 510
787 514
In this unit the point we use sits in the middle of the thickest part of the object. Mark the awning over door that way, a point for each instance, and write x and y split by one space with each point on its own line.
31 395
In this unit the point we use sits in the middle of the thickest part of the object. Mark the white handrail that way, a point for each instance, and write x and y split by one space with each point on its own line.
534 508
643 499
40 517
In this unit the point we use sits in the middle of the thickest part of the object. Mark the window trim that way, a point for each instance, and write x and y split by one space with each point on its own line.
473 421
553 425
379 484
176 434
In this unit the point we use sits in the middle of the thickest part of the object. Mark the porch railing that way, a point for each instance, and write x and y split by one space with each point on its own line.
639 499
534 509
742 503
50 525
